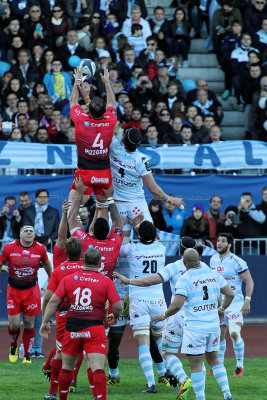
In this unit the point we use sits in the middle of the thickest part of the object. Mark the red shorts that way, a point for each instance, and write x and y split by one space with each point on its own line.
27 301
96 180
60 327
91 340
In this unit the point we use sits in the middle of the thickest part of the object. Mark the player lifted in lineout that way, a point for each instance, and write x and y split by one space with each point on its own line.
93 135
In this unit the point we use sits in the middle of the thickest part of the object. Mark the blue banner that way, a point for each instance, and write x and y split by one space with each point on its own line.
229 155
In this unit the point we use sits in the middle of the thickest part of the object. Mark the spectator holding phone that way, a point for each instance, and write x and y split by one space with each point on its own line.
230 223
251 218
9 220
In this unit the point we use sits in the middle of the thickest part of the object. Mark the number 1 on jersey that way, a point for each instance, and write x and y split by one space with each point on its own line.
97 142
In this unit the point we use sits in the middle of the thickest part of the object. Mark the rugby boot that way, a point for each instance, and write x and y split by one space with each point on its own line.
150 389
13 354
239 372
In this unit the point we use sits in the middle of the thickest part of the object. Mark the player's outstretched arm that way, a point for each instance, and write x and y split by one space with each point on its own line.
154 279
174 307
110 95
76 201
63 227
156 190
115 216
74 96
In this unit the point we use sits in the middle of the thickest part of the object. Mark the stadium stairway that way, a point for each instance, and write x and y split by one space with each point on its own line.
204 65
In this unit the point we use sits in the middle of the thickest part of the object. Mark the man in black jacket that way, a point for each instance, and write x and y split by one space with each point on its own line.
71 48
43 217
252 218
9 220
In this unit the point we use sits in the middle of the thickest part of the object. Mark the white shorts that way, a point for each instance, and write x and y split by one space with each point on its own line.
172 335
233 313
131 210
195 343
142 311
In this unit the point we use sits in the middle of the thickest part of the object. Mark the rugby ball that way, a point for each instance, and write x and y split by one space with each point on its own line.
88 68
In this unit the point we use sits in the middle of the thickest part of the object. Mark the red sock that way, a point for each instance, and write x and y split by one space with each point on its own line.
55 370
100 382
28 339
64 383
77 368
14 335
91 381
47 365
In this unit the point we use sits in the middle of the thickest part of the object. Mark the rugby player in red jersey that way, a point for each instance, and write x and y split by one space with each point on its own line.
93 135
108 244
87 292
59 253
73 249
23 293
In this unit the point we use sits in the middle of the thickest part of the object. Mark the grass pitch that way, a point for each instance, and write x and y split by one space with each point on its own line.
26 382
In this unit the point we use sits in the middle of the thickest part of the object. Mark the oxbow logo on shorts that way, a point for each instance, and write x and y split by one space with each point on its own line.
77 335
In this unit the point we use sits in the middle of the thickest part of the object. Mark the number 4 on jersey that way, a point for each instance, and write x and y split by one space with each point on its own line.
98 142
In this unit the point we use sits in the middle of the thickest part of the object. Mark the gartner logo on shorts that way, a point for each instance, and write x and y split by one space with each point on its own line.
87 123
77 335
62 268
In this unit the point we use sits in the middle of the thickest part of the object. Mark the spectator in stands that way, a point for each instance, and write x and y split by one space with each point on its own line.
230 223
42 135
71 48
22 123
196 226
25 201
149 51
32 129
200 84
71 135
229 43
12 53
58 84
9 32
46 61
209 121
136 71
158 107
206 106
121 98
11 109
151 137
77 10
160 28
263 207
179 32
43 217
254 14
144 123
86 218
222 23
142 92
9 220
213 216
252 218
161 80
239 58
191 112
134 120
136 18
215 135
198 128
16 135
125 66
59 24
136 40
186 136
128 109
178 110
260 37
174 218
25 71
96 27
84 34
5 15
99 44
36 28
125 7
47 109
156 211
164 123
173 94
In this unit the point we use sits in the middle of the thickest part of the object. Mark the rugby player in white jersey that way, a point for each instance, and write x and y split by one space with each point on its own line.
129 169
173 331
198 290
235 271
145 258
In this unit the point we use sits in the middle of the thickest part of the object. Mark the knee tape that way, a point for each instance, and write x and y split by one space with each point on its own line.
234 328
157 331
141 331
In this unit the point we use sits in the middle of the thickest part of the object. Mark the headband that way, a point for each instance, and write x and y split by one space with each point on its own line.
27 228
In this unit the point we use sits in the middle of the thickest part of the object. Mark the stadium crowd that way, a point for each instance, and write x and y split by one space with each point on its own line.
42 41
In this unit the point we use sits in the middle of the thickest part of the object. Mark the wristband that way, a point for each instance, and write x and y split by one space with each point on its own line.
87 100
110 200
137 226
170 200
164 315
221 309
248 298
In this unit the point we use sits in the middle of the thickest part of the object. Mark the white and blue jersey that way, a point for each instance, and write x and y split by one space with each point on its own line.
230 267
173 271
127 170
201 287
144 260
